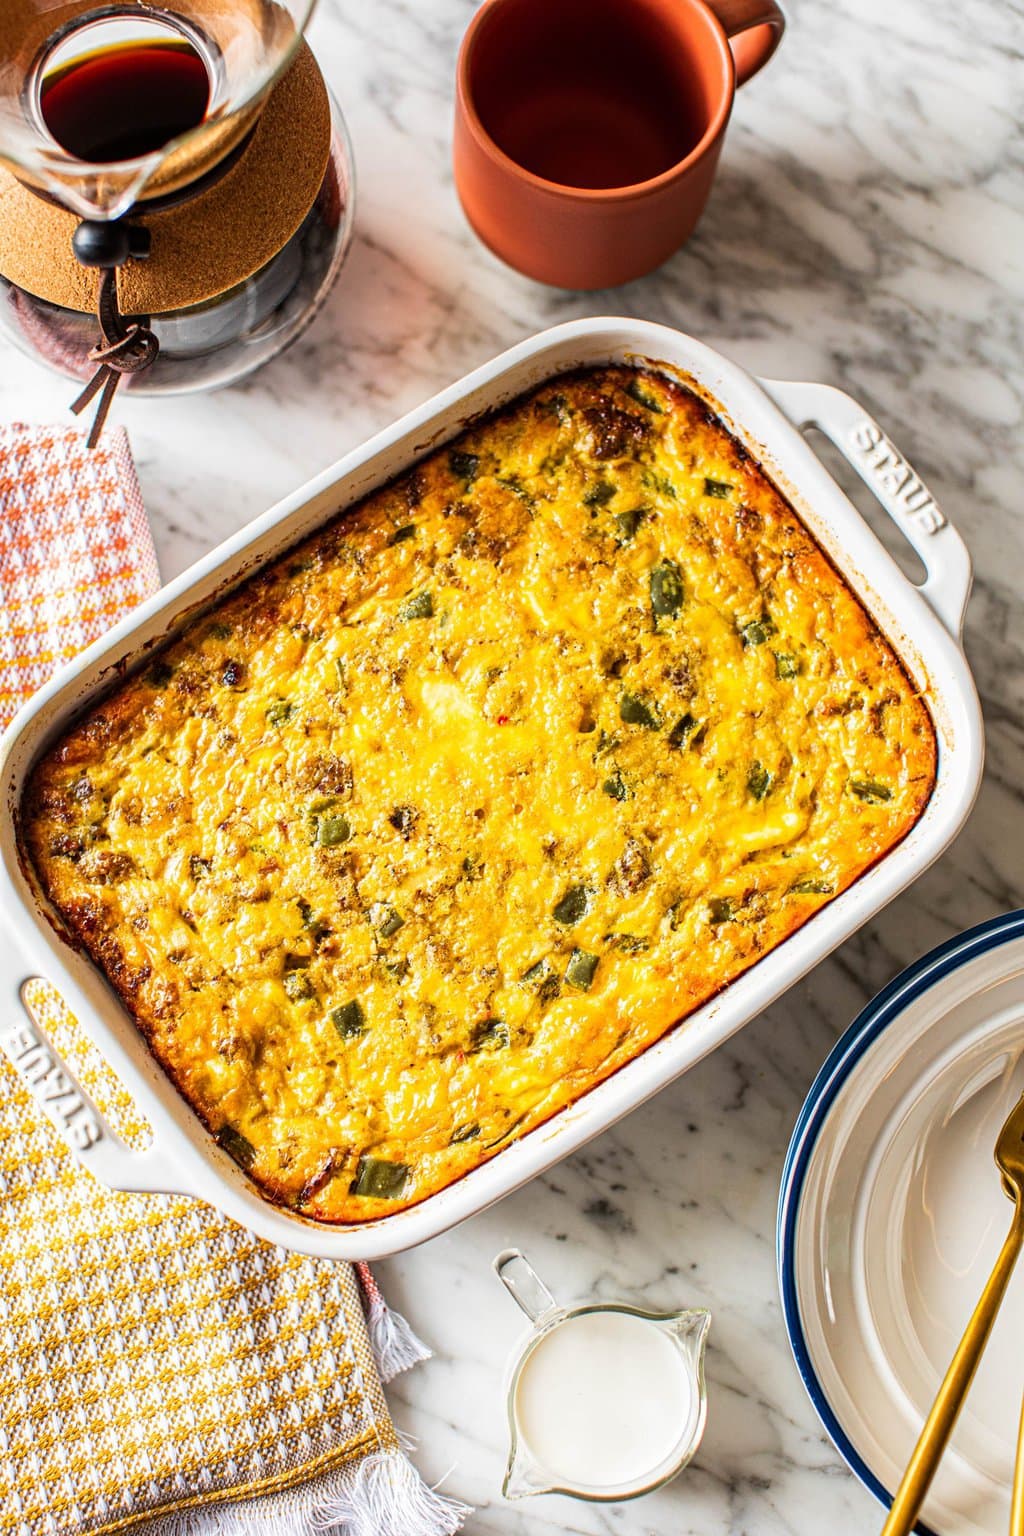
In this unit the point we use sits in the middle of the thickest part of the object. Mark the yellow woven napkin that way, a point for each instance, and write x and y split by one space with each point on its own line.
161 1369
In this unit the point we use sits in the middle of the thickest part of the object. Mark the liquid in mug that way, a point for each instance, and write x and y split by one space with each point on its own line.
600 98
604 1400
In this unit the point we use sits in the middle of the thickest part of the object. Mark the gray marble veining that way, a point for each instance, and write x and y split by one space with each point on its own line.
867 230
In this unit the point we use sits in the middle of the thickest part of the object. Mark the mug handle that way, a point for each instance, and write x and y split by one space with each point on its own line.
754 29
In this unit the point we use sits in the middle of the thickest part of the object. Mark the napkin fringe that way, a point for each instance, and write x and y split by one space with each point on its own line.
385 1496
395 1346
382 1495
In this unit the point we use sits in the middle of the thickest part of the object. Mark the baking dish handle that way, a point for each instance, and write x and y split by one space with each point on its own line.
72 1111
895 486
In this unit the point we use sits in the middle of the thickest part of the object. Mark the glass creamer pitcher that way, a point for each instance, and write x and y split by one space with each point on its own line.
605 1401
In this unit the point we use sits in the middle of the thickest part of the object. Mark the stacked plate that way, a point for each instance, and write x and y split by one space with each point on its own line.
891 1216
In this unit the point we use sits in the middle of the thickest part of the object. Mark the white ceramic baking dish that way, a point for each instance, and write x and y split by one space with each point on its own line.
923 623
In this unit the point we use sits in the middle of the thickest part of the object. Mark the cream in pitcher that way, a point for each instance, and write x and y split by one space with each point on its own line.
605 1401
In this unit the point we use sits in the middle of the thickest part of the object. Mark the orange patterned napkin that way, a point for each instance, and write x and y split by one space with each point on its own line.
76 553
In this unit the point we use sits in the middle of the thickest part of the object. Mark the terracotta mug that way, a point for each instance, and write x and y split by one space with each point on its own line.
587 132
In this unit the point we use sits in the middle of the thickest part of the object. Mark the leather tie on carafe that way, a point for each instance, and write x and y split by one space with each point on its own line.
125 346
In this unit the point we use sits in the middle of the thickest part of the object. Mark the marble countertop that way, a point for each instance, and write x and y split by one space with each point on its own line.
867 230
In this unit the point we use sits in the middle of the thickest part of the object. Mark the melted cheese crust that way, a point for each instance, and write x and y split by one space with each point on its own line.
463 803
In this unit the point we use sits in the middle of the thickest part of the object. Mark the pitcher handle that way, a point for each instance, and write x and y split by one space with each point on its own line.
525 1286
754 29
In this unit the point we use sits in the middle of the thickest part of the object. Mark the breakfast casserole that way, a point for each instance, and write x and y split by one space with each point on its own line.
461 804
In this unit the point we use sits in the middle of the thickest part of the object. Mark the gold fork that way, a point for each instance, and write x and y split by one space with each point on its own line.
945 1410
1017 1507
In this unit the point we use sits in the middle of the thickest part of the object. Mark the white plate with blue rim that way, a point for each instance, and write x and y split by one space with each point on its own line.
891 1215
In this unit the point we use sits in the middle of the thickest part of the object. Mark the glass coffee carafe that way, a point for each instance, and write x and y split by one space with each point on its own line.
134 141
